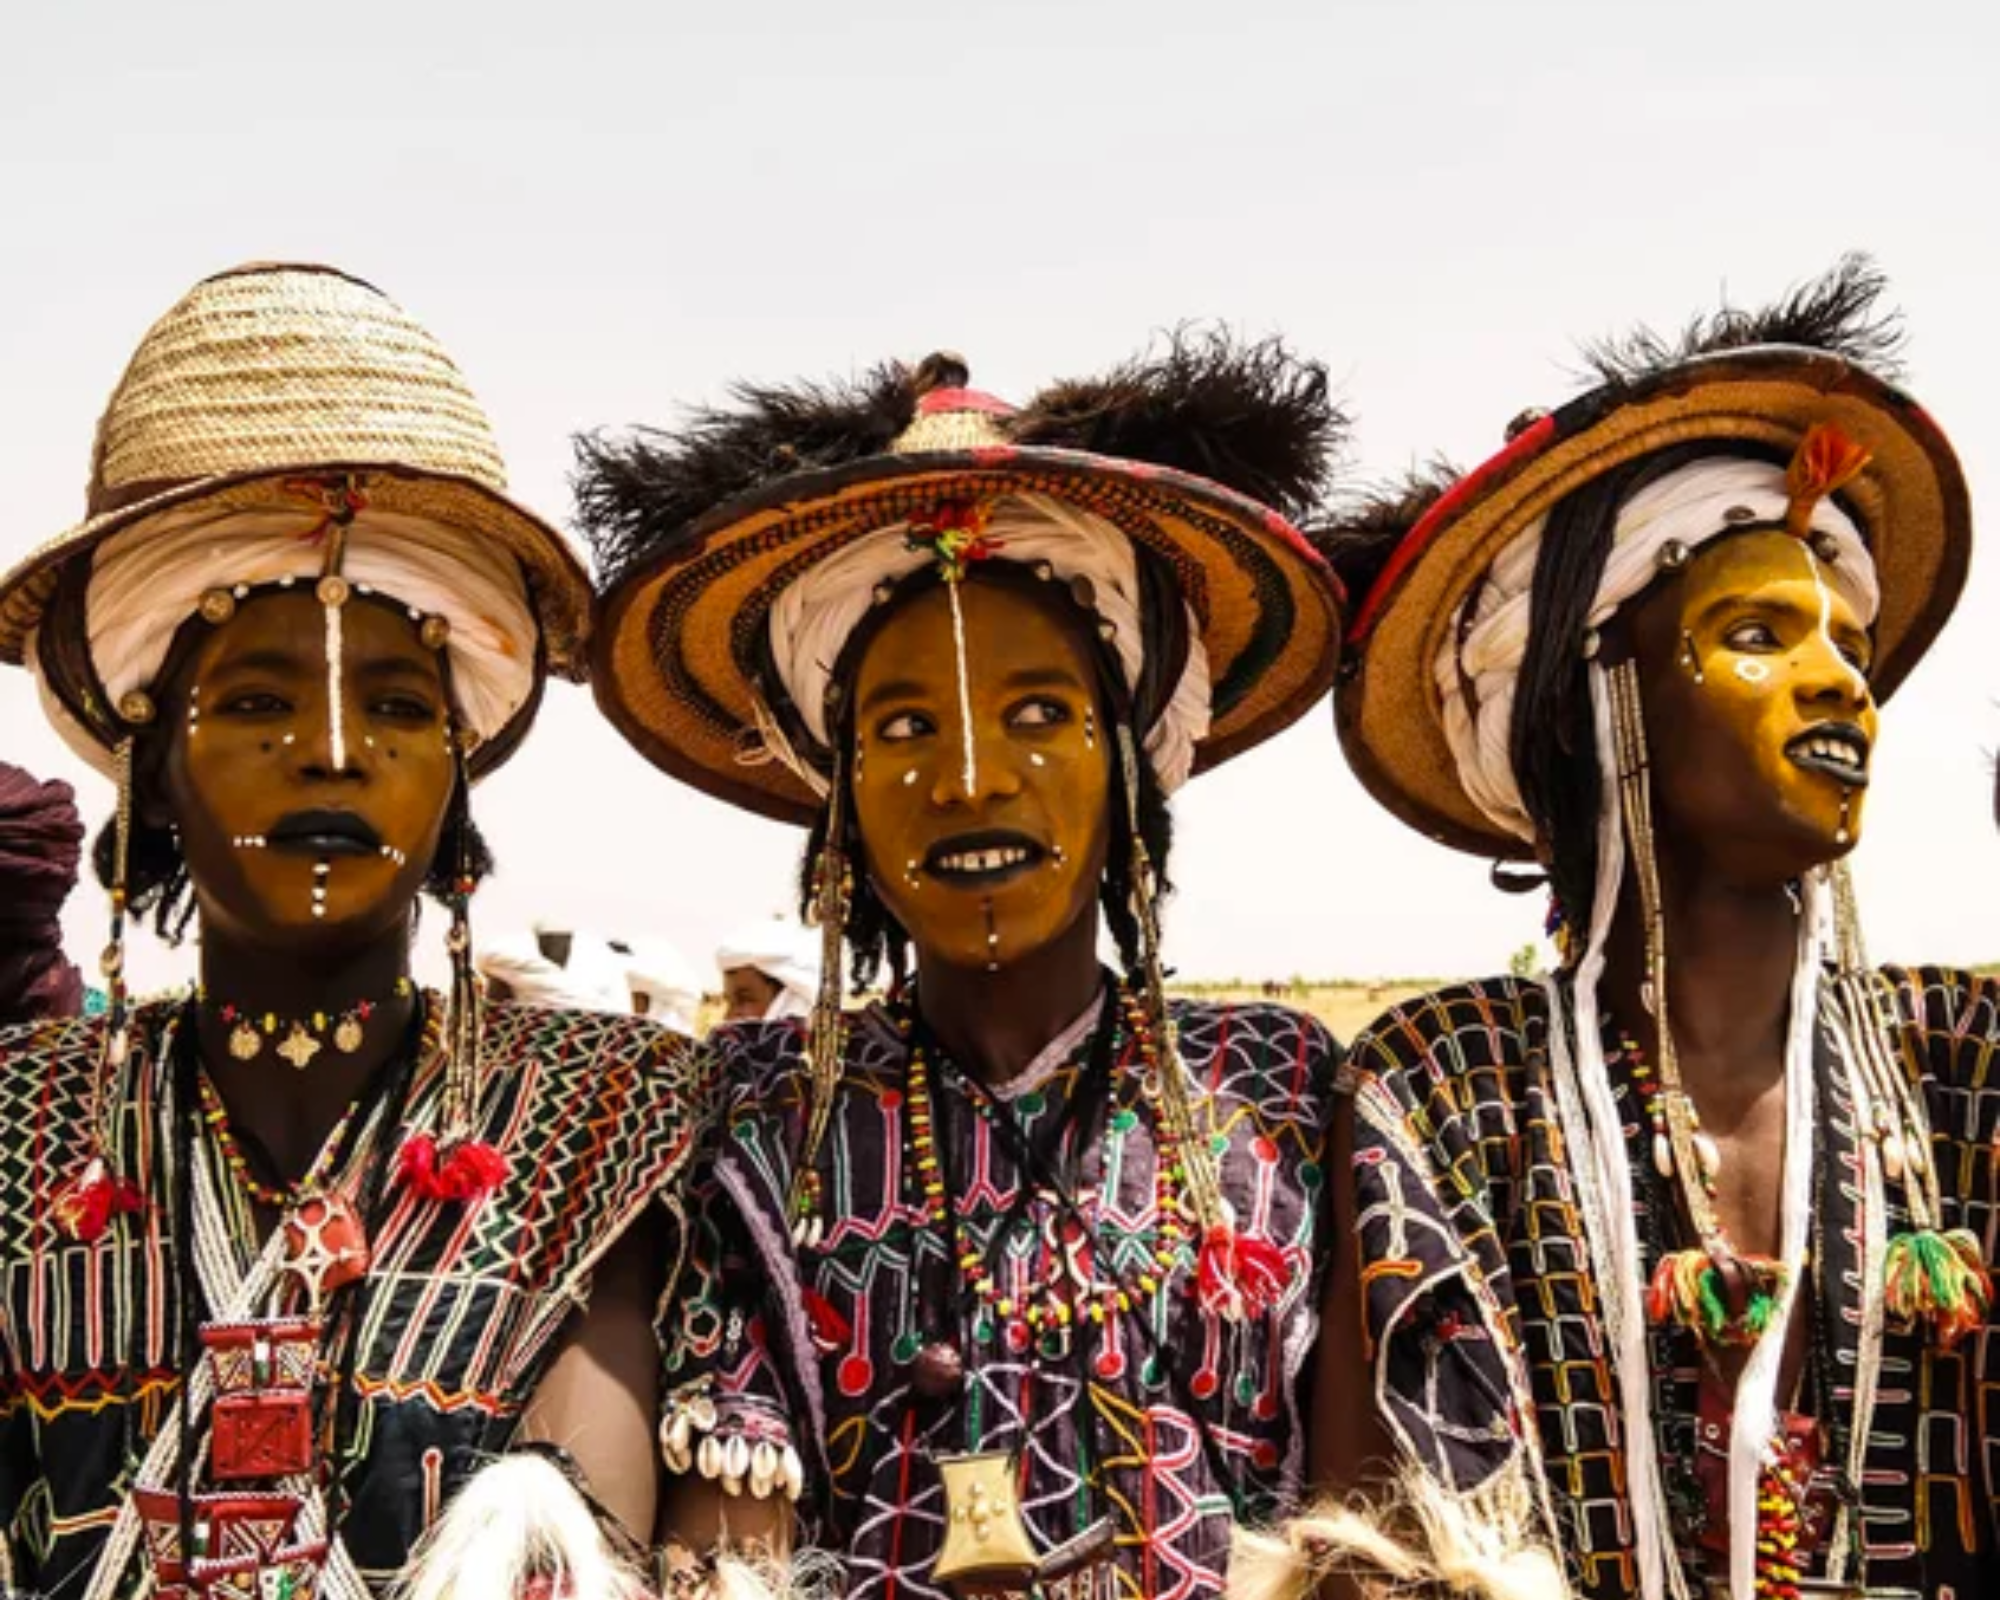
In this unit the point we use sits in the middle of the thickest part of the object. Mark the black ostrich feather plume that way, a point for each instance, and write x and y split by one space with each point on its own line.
1836 312
1253 417
635 495
1358 535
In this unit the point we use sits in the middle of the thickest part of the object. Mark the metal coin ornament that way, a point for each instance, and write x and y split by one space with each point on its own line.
299 1047
987 1545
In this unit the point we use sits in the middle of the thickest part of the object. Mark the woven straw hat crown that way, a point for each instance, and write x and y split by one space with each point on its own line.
270 365
261 381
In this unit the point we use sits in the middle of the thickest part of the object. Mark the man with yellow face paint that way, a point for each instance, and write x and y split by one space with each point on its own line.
1003 1283
1702 1306
288 1259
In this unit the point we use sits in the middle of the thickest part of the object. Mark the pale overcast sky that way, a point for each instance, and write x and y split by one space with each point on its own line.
608 209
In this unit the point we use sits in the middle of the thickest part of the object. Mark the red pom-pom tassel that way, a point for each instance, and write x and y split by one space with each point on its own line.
466 1169
830 1330
86 1204
1239 1277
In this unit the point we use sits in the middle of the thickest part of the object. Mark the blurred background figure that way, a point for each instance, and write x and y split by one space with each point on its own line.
41 842
664 986
555 965
770 971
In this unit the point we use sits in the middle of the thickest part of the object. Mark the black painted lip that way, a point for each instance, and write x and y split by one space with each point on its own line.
984 839
323 832
1854 773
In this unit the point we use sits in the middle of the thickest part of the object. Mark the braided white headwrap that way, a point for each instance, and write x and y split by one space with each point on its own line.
811 621
1480 664
148 580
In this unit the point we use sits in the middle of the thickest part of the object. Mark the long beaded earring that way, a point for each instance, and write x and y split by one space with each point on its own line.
85 1205
826 1039
1930 1274
456 1164
1237 1276
1723 1294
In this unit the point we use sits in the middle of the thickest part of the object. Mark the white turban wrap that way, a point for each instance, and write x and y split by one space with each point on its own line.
149 579
593 980
1480 665
811 621
786 954
670 984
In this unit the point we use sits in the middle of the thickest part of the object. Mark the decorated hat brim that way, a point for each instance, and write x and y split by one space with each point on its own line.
676 636
558 585
1911 501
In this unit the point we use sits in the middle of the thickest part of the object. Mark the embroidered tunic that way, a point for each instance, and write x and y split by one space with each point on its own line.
1190 1422
1493 1349
457 1322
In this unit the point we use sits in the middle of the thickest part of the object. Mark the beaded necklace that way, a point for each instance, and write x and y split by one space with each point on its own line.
278 1197
303 1037
1789 1461
1724 1295
1067 1294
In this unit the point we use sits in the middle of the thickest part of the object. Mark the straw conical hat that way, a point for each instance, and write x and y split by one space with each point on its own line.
272 371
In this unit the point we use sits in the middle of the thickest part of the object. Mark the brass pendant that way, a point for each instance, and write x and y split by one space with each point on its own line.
245 1042
299 1047
347 1036
987 1545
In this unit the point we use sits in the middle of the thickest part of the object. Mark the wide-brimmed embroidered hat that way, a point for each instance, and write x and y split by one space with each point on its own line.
274 377
1760 380
1203 458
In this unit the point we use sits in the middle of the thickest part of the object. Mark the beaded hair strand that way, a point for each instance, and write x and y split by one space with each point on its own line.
455 1163
826 1040
1236 1276
97 1192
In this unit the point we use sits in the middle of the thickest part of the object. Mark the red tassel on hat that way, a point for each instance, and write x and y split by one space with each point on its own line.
1825 460
1239 1277
468 1169
86 1204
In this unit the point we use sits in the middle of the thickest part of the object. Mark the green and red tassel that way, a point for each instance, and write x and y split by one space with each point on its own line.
1728 1300
1937 1277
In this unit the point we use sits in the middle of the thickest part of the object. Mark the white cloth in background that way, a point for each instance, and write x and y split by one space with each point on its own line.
594 979
670 983
786 954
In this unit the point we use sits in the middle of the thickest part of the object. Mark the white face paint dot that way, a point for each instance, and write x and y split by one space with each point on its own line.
1038 758
1752 671
909 777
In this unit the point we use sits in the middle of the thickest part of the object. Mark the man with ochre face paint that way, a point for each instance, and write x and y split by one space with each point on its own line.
281 1262
1003 1283
1711 1255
